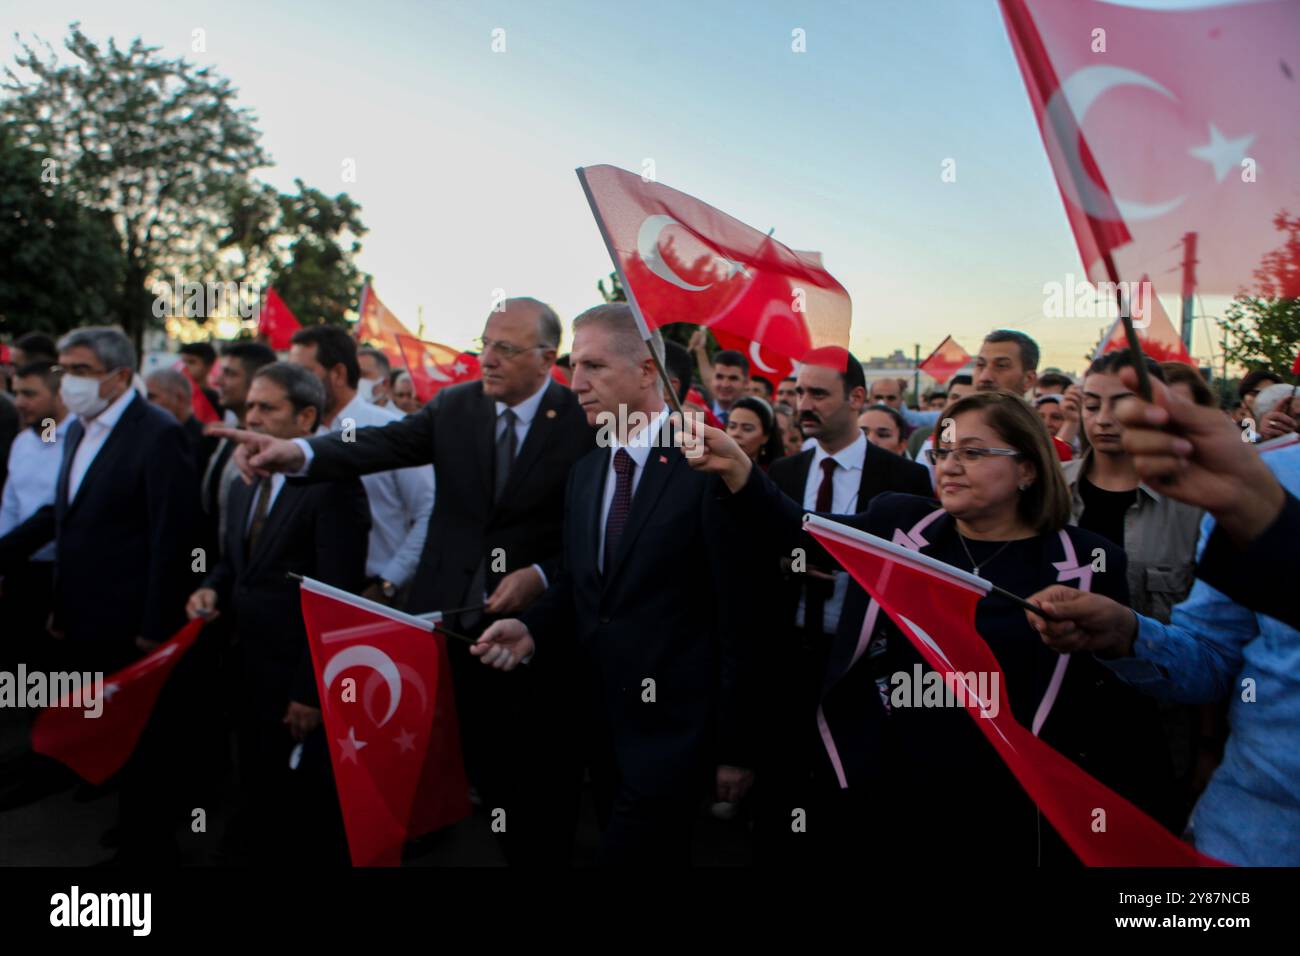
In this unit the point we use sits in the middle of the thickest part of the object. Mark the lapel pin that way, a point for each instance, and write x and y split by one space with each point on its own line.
663 459
550 413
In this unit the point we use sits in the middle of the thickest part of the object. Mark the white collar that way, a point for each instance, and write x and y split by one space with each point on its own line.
852 457
110 416
639 445
526 410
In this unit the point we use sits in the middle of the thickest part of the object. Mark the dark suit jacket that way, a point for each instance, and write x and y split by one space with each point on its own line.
660 610
123 552
9 425
315 530
455 433
881 471
203 445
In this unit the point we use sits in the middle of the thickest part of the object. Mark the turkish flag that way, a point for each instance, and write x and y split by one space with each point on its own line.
390 720
275 322
774 368
945 361
378 326
203 409
1295 366
1160 123
681 260
1160 340
933 604
433 366
95 748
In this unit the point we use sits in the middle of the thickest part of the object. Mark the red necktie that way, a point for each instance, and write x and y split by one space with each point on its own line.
619 507
816 591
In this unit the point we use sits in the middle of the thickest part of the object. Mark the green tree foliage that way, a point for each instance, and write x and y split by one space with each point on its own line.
62 266
1264 326
154 143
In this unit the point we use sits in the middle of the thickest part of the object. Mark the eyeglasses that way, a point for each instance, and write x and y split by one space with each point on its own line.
504 349
969 454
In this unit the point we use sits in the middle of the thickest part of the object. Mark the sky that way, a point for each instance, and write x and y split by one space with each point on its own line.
464 157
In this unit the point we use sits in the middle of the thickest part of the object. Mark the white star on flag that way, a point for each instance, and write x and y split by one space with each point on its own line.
1223 154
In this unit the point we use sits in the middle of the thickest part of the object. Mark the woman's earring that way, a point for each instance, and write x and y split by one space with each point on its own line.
1023 487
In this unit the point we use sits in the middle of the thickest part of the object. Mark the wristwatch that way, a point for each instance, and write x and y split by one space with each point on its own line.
388 588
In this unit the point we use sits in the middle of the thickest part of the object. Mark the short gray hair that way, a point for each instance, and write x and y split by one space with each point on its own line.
617 317
548 323
302 387
171 380
109 343
1271 397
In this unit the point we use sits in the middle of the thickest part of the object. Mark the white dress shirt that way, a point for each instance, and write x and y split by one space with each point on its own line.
401 501
639 447
846 481
97 430
33 479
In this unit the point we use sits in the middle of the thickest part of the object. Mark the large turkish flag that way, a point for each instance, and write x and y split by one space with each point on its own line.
1160 123
681 260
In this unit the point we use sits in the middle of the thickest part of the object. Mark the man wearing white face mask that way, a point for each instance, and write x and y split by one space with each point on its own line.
373 384
124 525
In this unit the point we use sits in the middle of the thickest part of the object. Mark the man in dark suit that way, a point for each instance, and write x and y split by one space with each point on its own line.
122 522
638 609
238 363
170 391
840 474
277 527
502 448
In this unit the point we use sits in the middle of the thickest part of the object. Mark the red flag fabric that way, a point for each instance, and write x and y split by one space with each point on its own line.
1160 340
1160 123
203 409
945 361
933 604
389 719
681 260
433 366
379 326
97 748
1295 366
276 322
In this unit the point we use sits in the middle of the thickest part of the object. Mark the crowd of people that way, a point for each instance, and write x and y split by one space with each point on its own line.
649 615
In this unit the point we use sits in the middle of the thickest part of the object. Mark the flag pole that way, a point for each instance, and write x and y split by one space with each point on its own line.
435 627
641 325
1134 346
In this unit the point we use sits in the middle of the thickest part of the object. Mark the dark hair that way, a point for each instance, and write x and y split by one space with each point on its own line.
842 360
1112 362
1028 347
251 355
1050 379
44 369
565 361
773 446
1178 373
395 374
303 389
962 379
892 412
200 350
1253 378
333 347
790 378
677 362
767 385
378 356
732 359
1044 505
37 345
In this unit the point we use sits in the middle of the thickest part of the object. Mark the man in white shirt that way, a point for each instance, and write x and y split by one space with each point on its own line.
33 471
401 500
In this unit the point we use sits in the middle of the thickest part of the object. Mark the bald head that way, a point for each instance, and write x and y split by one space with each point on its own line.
170 390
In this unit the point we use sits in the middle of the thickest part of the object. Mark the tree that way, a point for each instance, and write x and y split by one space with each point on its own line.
1265 326
319 279
62 265
157 144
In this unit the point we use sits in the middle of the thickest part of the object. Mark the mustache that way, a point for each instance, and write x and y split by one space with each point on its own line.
810 417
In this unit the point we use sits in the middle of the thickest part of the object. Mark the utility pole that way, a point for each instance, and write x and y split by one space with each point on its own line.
916 374
1189 288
